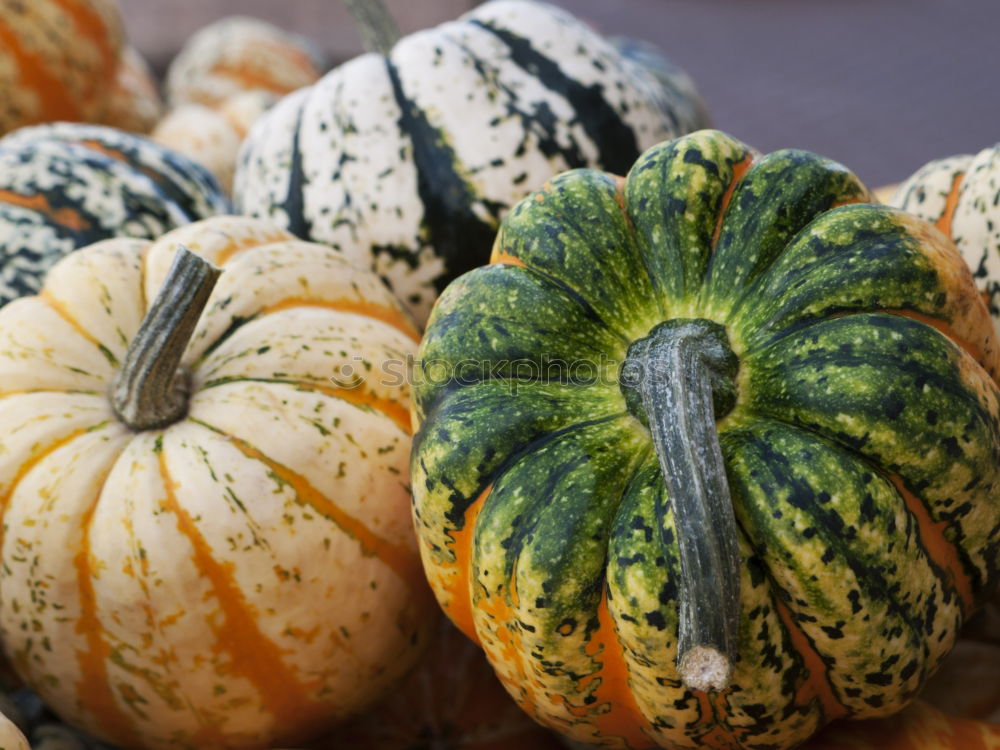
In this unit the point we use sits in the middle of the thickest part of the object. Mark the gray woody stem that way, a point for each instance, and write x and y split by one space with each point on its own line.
688 372
378 30
151 389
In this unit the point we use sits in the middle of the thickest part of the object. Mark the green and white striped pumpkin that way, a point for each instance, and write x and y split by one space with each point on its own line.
959 195
218 554
709 455
67 185
408 161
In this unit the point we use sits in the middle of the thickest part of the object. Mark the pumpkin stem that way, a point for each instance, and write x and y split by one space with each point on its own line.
378 30
151 389
683 379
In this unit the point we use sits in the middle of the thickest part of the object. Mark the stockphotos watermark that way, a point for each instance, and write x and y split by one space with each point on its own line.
393 373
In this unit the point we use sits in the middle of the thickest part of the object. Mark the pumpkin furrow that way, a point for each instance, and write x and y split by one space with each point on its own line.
252 655
95 691
946 556
740 170
616 143
61 310
397 559
360 397
459 236
390 316
951 203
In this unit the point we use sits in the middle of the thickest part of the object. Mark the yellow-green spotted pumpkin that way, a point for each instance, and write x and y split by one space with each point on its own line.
710 455
206 531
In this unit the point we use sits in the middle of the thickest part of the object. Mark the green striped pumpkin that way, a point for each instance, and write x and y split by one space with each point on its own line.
408 161
67 185
709 456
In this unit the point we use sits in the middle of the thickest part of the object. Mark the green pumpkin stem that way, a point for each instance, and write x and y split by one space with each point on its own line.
151 389
378 30
687 378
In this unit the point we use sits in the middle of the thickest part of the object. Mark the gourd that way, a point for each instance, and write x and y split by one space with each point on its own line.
11 738
957 195
57 59
451 700
919 726
211 136
206 533
408 157
707 456
67 185
237 54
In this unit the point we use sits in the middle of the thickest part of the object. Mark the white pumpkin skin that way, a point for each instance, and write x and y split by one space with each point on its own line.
409 161
958 194
248 575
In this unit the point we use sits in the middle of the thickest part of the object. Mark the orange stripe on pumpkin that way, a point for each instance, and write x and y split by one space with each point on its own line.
944 222
29 464
91 25
52 93
739 172
942 553
94 691
614 712
253 656
459 583
358 396
60 309
64 217
237 244
816 686
403 562
388 315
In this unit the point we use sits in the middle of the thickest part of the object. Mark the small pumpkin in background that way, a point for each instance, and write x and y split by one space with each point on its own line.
237 54
699 432
214 507
58 60
958 195
66 185
212 136
408 157
134 102
451 701
919 726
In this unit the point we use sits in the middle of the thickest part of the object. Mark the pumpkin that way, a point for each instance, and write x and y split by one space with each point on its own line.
407 160
451 701
237 54
11 737
212 136
919 726
67 185
708 455
134 102
57 59
958 194
206 532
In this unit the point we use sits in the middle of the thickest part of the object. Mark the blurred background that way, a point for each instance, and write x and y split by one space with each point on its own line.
882 86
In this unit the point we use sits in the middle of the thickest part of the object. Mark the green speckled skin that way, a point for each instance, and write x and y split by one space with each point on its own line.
863 452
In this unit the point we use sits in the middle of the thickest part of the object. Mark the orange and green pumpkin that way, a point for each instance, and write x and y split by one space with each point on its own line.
58 60
708 456
206 528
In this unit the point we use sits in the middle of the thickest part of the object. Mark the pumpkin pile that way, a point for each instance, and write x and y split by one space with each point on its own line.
505 405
